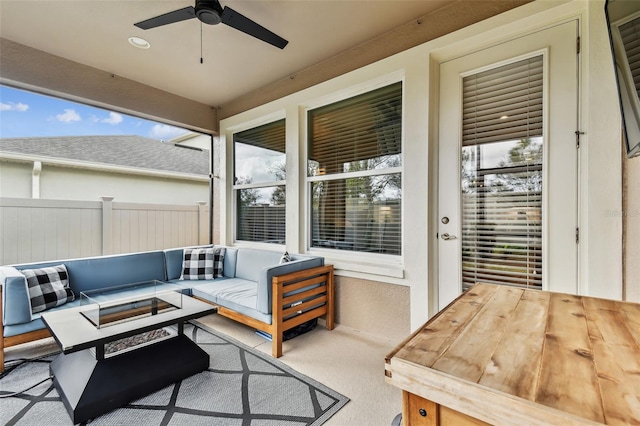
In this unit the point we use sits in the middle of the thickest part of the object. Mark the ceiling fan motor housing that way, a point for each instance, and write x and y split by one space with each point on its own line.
208 11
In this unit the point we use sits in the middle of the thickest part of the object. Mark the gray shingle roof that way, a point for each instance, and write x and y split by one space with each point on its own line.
127 151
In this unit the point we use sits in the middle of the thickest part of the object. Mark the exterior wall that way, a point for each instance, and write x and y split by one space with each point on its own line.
15 179
601 248
631 217
373 307
362 282
68 183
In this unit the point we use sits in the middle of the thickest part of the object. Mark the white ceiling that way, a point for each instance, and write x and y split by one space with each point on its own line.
95 33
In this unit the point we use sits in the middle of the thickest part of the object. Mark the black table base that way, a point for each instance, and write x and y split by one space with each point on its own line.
90 387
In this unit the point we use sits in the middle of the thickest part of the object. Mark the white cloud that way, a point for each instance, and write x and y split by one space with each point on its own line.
114 118
166 132
68 116
12 106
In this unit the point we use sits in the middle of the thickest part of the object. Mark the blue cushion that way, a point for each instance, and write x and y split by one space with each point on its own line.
251 261
16 307
264 302
36 323
109 271
234 293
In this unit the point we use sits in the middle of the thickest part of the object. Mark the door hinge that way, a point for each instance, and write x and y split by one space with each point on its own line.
577 235
578 45
578 133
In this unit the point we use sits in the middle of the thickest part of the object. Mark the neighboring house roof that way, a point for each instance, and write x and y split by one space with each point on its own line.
122 151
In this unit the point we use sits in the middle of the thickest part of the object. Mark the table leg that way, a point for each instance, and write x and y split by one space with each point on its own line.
100 352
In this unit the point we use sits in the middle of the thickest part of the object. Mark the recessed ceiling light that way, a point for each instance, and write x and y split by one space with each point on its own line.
140 43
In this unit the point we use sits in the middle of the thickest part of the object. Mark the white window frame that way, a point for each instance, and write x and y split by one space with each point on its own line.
234 188
355 261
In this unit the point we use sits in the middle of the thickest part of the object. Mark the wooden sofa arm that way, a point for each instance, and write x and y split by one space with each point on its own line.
305 301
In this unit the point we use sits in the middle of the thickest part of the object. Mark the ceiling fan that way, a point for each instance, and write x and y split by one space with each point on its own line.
212 13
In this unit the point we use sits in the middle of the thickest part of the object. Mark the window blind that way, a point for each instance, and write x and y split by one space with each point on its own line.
357 214
261 222
269 136
504 103
629 32
361 129
502 176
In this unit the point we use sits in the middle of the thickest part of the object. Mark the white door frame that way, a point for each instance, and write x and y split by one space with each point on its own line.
563 277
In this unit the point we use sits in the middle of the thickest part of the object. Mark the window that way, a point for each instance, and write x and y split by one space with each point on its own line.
355 173
259 184
502 175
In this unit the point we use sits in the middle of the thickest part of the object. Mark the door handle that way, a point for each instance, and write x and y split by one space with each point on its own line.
448 237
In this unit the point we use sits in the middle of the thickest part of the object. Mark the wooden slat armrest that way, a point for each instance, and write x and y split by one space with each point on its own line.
287 283
305 273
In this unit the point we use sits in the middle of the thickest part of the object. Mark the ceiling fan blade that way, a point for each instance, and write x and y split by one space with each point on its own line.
240 22
168 18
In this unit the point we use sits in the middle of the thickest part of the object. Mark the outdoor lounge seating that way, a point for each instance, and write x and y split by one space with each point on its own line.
254 289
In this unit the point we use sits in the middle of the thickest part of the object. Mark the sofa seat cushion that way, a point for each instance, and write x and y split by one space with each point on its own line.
185 285
36 323
237 294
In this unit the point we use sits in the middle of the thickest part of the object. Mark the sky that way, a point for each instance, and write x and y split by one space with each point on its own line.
28 114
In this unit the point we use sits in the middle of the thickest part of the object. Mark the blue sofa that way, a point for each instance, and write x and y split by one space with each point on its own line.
255 289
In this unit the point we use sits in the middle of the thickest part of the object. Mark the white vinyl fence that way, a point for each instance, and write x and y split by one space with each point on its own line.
33 230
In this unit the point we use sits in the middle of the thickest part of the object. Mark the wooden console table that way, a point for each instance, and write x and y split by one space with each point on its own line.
510 356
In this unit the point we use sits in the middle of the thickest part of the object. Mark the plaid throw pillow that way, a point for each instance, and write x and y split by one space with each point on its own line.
286 257
48 287
202 263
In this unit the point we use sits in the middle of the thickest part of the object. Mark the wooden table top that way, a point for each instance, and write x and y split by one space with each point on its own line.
508 355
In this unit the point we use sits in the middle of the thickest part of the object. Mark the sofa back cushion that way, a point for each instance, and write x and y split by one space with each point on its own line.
250 262
230 260
108 271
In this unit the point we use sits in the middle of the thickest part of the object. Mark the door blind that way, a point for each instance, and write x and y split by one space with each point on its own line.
502 175
504 103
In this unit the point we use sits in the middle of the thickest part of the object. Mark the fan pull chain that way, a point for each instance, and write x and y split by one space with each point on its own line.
201 60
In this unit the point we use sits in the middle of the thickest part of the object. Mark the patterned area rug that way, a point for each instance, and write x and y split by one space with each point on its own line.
242 387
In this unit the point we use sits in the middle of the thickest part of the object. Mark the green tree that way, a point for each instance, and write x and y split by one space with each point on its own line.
371 187
526 154
279 194
248 196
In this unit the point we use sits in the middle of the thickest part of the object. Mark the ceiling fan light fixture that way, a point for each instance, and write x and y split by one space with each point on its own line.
140 43
208 15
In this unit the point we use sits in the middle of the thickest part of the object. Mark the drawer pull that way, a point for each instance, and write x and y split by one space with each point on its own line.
422 412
